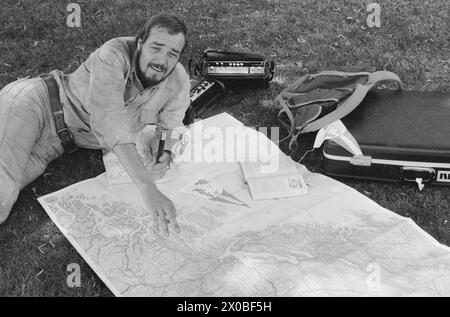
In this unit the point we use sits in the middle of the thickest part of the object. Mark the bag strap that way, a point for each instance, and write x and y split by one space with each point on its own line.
285 107
351 102
308 114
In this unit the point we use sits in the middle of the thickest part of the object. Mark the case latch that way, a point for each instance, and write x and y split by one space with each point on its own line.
411 173
420 175
361 160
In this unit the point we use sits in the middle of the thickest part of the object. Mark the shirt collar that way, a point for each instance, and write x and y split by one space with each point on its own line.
173 81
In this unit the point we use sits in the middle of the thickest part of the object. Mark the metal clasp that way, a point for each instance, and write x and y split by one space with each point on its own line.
411 173
361 160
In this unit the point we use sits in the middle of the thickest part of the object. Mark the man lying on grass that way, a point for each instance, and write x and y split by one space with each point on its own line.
126 84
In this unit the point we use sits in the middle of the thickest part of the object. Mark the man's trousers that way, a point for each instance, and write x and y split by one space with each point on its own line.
28 138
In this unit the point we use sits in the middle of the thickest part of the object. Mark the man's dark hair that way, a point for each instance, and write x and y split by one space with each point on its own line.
170 22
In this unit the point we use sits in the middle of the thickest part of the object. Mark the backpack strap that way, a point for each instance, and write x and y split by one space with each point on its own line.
308 114
285 107
351 102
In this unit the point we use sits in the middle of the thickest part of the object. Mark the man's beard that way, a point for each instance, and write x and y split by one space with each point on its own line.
148 82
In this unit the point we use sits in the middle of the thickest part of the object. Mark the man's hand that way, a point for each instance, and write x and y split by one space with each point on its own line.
160 207
158 169
163 211
158 204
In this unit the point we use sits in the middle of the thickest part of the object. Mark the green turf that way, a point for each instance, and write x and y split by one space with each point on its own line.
301 36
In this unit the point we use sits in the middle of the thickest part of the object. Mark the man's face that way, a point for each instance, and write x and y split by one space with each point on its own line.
159 54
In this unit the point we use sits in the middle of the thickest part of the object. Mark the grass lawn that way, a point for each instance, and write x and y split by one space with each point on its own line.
300 36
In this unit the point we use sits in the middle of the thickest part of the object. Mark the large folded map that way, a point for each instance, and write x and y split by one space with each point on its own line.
332 242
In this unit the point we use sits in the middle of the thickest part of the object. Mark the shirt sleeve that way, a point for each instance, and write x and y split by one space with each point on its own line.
108 78
172 113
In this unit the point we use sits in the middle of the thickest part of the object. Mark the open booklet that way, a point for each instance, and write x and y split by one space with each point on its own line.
282 179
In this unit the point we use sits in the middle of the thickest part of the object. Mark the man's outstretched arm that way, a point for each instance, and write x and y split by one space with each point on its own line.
161 207
108 123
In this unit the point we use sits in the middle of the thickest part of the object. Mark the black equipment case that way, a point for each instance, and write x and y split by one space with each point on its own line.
403 135
238 70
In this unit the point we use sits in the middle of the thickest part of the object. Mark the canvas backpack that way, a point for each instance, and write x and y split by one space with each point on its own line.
316 100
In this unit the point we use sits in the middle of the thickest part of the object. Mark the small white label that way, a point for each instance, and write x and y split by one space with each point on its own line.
443 176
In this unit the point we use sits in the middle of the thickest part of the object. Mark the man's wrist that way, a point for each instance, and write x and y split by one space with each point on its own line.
148 186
